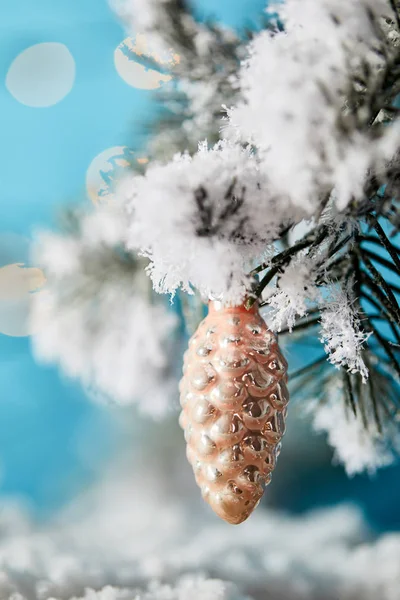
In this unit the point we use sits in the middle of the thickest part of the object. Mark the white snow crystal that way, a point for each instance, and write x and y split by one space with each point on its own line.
296 291
342 334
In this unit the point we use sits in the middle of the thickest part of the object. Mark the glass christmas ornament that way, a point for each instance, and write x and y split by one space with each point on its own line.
234 402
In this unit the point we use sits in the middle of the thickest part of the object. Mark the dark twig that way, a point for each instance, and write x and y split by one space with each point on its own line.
280 260
381 281
380 296
383 261
386 347
396 13
349 391
307 368
392 250
375 240
373 395
383 316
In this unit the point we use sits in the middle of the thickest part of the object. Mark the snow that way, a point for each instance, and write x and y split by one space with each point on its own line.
354 447
304 124
96 320
136 536
342 334
295 293
186 589
203 220
297 91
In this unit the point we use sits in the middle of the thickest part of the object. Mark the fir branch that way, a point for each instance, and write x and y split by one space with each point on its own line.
373 396
349 391
263 284
392 250
311 240
378 242
307 368
385 345
381 281
359 388
382 260
395 12
340 245
380 296
282 257
384 316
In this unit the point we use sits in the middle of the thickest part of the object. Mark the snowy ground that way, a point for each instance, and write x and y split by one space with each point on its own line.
144 533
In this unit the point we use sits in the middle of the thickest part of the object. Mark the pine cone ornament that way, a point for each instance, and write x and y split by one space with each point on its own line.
234 399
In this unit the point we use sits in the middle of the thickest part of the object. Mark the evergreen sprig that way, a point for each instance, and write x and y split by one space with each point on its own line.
365 254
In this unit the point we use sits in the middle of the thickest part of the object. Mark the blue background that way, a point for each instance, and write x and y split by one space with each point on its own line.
53 441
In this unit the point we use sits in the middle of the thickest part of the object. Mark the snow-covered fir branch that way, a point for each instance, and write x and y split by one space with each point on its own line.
311 93
207 59
204 220
312 133
170 24
294 295
306 151
97 318
355 447
342 333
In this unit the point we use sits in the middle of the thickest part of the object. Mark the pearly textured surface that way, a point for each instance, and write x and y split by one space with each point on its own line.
234 403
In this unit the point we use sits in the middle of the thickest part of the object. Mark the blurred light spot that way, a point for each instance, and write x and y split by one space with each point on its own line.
141 67
41 75
105 171
17 280
143 161
17 283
